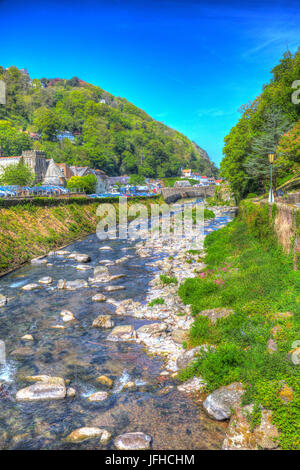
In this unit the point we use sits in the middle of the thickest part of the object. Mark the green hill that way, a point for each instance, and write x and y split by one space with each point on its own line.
110 133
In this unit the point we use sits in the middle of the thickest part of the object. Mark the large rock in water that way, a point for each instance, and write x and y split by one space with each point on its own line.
133 441
98 396
71 285
82 434
219 404
122 333
46 388
3 300
99 298
103 321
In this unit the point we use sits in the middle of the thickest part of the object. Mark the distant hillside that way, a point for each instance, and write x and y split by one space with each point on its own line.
109 132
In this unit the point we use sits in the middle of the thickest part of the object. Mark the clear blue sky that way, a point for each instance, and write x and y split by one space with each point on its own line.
190 64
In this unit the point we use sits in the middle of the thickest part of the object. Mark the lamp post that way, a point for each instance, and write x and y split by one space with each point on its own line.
271 160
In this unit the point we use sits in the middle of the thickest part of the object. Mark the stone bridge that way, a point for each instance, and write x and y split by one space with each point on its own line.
173 194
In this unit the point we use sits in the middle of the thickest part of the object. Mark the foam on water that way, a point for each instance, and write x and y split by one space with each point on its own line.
7 372
121 381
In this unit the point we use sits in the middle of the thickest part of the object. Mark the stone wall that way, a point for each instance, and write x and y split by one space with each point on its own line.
280 219
174 194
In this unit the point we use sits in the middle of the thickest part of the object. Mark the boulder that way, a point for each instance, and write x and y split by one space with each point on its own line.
98 298
98 396
192 385
104 380
27 338
266 433
133 441
62 252
271 346
29 287
152 329
67 316
189 356
122 333
83 267
3 300
20 353
239 435
114 288
178 336
82 434
214 313
219 404
71 285
82 258
71 392
52 388
39 261
103 321
105 248
46 280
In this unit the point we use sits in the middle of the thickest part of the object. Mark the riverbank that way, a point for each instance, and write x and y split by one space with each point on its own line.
232 333
32 229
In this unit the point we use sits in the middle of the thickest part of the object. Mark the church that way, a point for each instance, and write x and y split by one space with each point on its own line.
46 171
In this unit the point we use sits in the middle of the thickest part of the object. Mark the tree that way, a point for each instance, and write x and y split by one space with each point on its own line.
48 123
17 174
257 165
288 150
136 179
86 183
12 141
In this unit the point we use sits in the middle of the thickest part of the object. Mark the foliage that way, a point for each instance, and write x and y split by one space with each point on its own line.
12 141
86 183
158 301
259 129
248 274
111 133
288 150
168 280
17 174
136 179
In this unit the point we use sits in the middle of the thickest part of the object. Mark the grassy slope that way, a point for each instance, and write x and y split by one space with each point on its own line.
29 230
257 281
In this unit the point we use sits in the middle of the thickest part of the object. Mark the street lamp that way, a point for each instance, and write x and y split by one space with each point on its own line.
271 160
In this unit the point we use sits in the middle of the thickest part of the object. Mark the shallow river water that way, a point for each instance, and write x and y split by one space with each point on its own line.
80 353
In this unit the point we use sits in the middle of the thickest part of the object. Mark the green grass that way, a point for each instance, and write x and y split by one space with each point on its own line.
168 280
256 280
158 301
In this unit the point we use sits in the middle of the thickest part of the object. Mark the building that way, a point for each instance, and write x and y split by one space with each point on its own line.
54 176
46 171
66 135
102 179
65 170
186 173
35 159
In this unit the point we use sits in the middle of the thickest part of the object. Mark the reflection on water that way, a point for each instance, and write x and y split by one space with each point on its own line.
80 354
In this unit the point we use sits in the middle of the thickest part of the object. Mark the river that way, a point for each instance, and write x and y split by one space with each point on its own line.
80 353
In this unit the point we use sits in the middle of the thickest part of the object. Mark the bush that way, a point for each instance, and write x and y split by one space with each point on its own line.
168 280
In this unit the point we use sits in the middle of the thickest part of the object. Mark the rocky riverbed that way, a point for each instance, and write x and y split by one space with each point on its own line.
91 357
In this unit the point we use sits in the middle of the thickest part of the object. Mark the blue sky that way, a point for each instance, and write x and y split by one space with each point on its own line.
190 64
